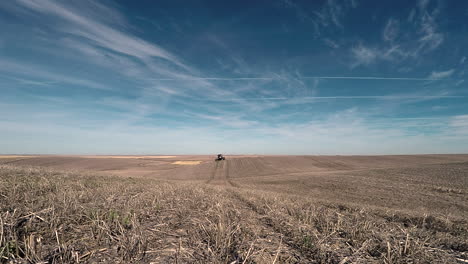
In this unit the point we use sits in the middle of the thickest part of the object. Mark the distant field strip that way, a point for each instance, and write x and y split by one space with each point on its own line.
187 162
15 156
130 157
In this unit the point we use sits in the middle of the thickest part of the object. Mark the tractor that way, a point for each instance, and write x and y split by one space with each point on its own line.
220 157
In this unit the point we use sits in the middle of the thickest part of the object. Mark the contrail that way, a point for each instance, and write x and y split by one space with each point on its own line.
338 97
373 78
302 77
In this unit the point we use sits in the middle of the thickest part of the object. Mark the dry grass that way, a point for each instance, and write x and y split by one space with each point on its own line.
49 216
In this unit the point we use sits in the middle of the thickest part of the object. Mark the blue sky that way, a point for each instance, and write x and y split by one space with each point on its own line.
240 77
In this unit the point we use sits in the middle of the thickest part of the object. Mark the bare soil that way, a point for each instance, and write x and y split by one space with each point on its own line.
246 209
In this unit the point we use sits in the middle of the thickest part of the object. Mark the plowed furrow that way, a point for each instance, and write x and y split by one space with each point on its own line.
213 173
271 238
228 175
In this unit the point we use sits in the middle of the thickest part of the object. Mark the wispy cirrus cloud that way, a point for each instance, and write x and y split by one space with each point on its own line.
441 74
303 77
305 99
360 133
289 92
330 14
97 37
29 81
101 33
431 37
460 124
462 60
100 43
330 43
403 40
391 30
363 55
44 77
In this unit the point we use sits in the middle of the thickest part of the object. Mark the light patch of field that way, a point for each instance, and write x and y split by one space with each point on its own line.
187 162
131 157
15 156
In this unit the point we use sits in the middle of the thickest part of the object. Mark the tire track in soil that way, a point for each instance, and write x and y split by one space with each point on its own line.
293 248
220 174
269 237
213 173
227 175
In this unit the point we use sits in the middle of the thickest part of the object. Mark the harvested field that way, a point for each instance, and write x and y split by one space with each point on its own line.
246 209
16 156
128 157
187 162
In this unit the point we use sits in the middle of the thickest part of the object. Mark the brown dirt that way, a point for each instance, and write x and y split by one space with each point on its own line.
187 162
252 209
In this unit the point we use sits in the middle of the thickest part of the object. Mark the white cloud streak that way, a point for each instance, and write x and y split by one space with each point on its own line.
101 34
462 60
330 14
367 97
102 43
23 69
430 38
357 134
301 77
363 55
441 74
330 43
391 30
419 35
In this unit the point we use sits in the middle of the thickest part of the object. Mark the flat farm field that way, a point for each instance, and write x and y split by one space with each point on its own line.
245 209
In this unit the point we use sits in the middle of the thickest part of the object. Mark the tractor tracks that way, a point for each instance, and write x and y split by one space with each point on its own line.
227 175
213 173
270 241
220 174
269 236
